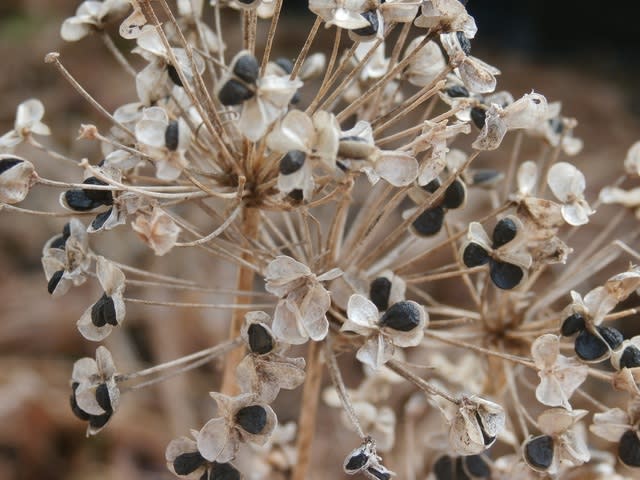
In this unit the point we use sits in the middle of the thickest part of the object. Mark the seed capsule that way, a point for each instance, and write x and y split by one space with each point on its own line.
187 463
379 292
103 312
505 231
629 449
247 68
538 452
292 162
260 340
402 316
487 439
171 136
572 324
253 418
234 93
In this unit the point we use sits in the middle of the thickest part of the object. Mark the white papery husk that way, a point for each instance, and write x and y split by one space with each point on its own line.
342 13
427 63
465 433
91 15
157 230
568 184
15 182
448 16
89 374
28 120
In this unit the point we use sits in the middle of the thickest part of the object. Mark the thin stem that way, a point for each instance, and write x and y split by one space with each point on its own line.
420 383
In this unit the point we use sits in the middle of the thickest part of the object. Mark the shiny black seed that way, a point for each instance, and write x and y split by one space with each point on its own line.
173 75
372 17
224 471
432 186
539 452
7 163
99 421
478 116
253 418
379 292
100 219
187 463
475 466
234 93
465 43
285 64
378 473
445 468
54 280
247 68
572 324
77 411
296 195
59 242
260 340
504 232
457 91
401 316
474 255
292 162
430 221
79 201
171 136
356 462
454 195
588 347
612 336
486 177
629 449
505 275
66 230
101 197
630 358
103 312
102 397
488 439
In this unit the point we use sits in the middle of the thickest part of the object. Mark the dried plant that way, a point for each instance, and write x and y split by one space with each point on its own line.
480 320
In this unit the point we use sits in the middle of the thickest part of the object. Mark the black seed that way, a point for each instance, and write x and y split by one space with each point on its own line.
488 439
224 471
342 166
54 280
77 411
356 462
234 93
99 421
253 418
379 292
66 230
171 136
378 473
430 221
101 197
296 195
475 466
7 163
486 177
187 463
295 99
103 312
247 68
102 397
454 195
285 64
260 340
572 324
444 468
629 449
460 474
401 316
465 43
590 348
372 17
78 200
630 358
457 91
539 452
612 336
474 255
59 242
204 476
504 232
432 186
292 162
478 116
556 124
100 219
173 75
505 275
